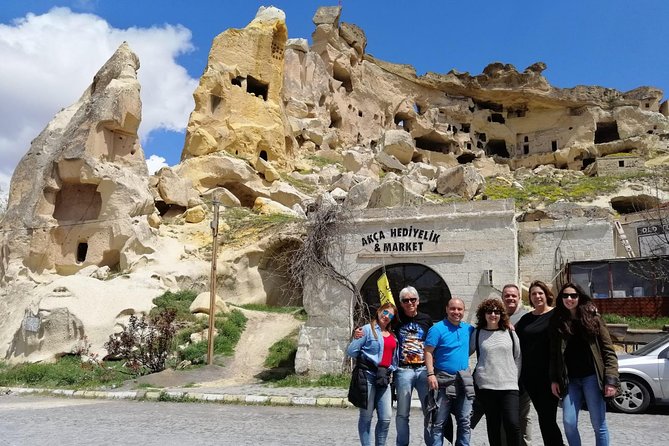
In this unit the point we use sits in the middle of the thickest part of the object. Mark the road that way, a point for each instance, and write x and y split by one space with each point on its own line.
47 420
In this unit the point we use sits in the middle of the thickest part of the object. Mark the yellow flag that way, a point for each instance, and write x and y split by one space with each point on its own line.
385 295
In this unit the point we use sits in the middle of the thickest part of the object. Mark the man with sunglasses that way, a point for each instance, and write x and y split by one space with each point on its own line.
411 374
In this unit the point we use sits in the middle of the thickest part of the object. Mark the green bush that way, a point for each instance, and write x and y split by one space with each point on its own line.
179 302
67 372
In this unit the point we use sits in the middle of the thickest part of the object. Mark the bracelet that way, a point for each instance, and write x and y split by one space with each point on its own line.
430 374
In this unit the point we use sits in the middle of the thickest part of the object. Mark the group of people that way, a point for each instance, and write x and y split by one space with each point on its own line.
558 351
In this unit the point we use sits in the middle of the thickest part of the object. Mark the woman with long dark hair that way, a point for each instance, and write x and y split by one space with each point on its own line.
497 371
583 363
533 330
377 354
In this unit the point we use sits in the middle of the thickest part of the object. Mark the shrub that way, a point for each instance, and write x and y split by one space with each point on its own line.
145 344
282 353
179 302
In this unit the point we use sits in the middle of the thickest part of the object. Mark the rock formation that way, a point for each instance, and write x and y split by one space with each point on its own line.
238 105
80 195
78 198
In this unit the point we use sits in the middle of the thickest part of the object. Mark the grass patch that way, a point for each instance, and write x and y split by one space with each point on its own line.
282 353
244 224
300 185
338 380
68 372
230 328
320 161
638 322
179 301
549 191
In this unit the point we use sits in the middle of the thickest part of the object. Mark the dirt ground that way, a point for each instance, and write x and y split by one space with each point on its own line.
262 330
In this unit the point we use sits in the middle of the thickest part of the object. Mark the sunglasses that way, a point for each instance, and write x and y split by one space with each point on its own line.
388 313
498 312
570 296
410 300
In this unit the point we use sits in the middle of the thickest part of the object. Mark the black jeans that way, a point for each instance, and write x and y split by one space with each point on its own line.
501 407
546 405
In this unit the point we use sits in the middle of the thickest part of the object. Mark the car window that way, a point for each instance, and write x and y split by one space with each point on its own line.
644 350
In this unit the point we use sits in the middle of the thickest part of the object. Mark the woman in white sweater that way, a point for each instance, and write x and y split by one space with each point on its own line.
497 372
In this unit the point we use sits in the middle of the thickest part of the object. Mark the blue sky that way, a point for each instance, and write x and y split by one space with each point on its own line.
50 55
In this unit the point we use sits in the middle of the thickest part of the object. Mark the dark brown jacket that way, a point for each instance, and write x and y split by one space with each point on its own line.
603 354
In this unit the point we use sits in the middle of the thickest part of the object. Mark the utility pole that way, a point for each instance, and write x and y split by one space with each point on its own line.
212 283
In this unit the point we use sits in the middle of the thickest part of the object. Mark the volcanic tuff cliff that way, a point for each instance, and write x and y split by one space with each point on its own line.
276 122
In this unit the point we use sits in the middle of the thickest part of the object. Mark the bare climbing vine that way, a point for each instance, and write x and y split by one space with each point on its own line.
322 243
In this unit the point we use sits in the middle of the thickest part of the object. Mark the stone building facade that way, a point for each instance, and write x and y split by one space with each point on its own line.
470 247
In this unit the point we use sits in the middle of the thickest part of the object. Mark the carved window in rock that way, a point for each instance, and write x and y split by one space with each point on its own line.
554 146
257 87
82 251
215 102
432 289
497 147
606 132
77 202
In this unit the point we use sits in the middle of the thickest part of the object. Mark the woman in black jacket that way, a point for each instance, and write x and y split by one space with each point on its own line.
583 363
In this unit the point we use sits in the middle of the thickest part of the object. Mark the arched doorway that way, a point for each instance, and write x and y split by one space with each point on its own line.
433 291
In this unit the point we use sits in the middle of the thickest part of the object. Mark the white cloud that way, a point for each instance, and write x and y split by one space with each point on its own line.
155 163
49 60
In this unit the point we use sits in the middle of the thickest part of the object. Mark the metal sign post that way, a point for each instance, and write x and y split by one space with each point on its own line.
212 283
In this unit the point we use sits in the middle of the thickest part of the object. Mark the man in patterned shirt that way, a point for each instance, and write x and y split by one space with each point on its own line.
411 374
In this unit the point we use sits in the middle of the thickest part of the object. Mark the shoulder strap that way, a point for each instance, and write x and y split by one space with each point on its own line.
513 343
478 330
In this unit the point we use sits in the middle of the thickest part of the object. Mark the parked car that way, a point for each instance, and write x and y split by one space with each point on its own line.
644 377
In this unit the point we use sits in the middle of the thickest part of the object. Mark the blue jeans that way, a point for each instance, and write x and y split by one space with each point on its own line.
579 388
407 379
378 398
461 407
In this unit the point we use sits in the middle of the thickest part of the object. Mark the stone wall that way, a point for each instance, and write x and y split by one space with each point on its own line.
618 165
546 245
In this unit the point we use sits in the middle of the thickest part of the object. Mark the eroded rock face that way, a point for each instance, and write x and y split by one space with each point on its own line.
238 104
341 98
80 195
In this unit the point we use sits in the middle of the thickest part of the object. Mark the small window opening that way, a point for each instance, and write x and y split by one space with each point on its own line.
554 146
257 87
215 102
469 146
497 117
82 250
647 104
263 154
481 136
335 120
237 81
621 163
465 128
359 113
526 139
526 149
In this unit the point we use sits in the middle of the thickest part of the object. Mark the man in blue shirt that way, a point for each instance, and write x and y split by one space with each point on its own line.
447 361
